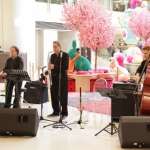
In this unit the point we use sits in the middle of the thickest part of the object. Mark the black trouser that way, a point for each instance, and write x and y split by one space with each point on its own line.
9 90
55 98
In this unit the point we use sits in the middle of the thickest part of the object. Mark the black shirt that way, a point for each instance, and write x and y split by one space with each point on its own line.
16 63
141 67
64 67
56 61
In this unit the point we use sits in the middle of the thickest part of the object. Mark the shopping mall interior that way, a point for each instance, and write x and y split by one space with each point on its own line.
104 101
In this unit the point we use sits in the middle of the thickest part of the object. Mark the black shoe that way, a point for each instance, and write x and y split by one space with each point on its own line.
63 117
53 115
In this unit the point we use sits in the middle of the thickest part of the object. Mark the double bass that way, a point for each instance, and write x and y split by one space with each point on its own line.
145 100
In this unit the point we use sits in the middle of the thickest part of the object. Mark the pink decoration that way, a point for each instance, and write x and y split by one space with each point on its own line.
120 58
92 21
139 23
129 59
93 71
133 3
120 72
124 34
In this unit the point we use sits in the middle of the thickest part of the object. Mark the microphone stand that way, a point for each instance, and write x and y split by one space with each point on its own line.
41 117
81 110
59 123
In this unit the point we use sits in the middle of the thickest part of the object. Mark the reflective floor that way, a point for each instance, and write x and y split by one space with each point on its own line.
65 139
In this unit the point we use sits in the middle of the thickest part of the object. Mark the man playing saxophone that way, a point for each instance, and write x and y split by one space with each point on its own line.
57 57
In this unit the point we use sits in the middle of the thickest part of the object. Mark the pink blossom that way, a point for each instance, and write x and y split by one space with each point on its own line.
92 21
139 23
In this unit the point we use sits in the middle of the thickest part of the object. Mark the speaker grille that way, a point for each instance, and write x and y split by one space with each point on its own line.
1 105
34 93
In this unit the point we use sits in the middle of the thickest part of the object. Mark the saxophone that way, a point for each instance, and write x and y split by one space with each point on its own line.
47 73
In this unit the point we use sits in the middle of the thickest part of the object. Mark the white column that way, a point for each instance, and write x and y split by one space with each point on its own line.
17 26
44 40
1 24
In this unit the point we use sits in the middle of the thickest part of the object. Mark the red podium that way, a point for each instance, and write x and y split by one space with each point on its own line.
71 85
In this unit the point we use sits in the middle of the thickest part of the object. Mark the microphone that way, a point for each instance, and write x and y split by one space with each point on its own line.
61 54
43 67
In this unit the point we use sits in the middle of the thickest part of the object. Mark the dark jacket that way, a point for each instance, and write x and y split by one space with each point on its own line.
141 67
64 67
17 63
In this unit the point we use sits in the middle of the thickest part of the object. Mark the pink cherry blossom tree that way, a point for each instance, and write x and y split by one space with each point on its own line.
93 23
139 23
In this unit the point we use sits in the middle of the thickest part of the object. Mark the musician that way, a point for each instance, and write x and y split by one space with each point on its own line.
146 52
54 66
78 51
14 62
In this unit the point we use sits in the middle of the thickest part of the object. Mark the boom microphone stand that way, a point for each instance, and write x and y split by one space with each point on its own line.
59 123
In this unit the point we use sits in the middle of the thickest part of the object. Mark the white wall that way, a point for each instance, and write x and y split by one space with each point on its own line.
44 40
18 22
1 24
66 39
49 37
39 48
46 12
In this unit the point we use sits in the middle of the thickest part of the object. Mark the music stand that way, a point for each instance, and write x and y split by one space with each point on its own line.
17 75
111 93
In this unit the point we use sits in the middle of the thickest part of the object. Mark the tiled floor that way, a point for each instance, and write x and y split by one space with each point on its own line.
50 138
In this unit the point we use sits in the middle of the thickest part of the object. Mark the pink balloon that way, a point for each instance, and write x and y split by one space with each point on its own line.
133 3
120 58
129 59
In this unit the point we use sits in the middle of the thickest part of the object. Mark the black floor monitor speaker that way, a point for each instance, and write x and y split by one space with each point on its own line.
121 106
34 93
134 131
1 104
18 122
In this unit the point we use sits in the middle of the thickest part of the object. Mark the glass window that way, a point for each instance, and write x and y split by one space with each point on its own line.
52 1
44 1
118 6
58 1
